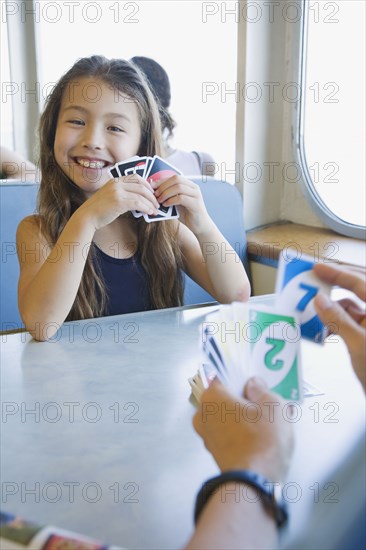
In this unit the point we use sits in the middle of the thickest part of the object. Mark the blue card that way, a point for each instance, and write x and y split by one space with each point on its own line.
296 288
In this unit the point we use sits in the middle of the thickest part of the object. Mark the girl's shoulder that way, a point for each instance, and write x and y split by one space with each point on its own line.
30 228
32 221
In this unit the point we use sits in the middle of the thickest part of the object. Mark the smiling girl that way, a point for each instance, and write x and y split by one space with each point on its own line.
84 255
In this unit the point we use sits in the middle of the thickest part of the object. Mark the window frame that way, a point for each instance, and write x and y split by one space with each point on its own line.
324 213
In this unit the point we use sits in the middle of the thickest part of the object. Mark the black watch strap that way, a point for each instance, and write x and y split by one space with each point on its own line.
269 492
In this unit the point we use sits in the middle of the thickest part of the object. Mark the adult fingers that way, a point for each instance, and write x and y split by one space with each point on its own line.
332 313
354 280
257 391
212 400
357 313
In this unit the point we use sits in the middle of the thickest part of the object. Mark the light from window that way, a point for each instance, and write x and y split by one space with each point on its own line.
334 123
6 106
193 42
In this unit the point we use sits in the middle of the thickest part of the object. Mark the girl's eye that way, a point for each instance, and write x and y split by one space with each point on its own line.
78 122
115 129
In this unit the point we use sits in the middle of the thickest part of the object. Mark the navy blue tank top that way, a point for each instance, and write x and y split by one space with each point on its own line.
126 283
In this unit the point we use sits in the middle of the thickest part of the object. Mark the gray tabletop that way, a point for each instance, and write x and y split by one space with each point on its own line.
97 430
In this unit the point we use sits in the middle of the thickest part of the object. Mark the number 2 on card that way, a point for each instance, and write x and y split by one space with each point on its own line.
277 347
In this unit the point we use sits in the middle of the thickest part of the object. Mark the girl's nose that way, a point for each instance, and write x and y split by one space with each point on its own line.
93 137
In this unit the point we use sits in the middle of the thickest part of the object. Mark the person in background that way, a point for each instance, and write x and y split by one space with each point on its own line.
263 449
190 163
16 167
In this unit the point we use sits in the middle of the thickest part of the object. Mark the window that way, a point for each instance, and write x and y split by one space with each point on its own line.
189 39
332 124
6 114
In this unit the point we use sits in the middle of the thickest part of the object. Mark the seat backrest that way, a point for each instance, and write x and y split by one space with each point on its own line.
225 206
17 200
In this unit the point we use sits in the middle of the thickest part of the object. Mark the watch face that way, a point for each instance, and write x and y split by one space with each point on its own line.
278 505
277 493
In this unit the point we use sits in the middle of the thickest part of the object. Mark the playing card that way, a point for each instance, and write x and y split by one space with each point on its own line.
157 170
274 352
207 374
167 213
153 169
213 352
148 163
222 341
296 288
196 386
126 164
114 172
242 341
141 167
138 168
133 165
160 169
202 379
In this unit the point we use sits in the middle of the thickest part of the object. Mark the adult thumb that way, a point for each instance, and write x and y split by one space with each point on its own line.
255 389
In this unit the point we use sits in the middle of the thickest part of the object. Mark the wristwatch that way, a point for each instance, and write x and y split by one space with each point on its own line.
269 492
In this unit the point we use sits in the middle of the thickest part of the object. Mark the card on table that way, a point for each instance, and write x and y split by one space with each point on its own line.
296 288
19 534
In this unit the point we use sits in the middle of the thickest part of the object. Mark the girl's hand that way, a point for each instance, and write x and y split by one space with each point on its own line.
182 192
118 196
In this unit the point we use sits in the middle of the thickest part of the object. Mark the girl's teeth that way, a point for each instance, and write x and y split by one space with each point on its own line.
91 164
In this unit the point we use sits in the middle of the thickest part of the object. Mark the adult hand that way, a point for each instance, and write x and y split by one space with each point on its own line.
348 317
246 433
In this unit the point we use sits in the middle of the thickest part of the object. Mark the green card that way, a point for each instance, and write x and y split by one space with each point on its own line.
275 351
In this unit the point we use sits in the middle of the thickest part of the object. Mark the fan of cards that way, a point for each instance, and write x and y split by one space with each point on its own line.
243 340
152 169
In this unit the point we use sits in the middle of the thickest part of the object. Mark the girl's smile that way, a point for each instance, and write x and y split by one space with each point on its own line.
93 133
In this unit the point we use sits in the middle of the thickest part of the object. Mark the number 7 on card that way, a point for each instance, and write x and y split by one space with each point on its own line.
296 288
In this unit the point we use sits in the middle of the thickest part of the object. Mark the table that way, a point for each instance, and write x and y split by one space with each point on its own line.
97 435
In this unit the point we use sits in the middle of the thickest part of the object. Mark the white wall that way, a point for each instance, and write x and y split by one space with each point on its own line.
267 125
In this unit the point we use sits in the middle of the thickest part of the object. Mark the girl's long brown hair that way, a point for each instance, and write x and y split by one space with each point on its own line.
59 197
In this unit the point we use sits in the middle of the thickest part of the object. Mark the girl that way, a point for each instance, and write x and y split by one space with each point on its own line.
84 255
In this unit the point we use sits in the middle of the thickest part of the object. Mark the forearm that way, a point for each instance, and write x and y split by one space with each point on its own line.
14 166
48 298
234 517
224 267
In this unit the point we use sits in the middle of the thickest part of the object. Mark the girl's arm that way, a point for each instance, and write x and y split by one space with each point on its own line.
49 279
209 258
14 166
213 264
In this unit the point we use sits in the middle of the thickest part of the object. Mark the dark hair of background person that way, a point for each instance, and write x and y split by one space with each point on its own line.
158 80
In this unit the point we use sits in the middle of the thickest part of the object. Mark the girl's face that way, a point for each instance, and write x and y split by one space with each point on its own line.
96 127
